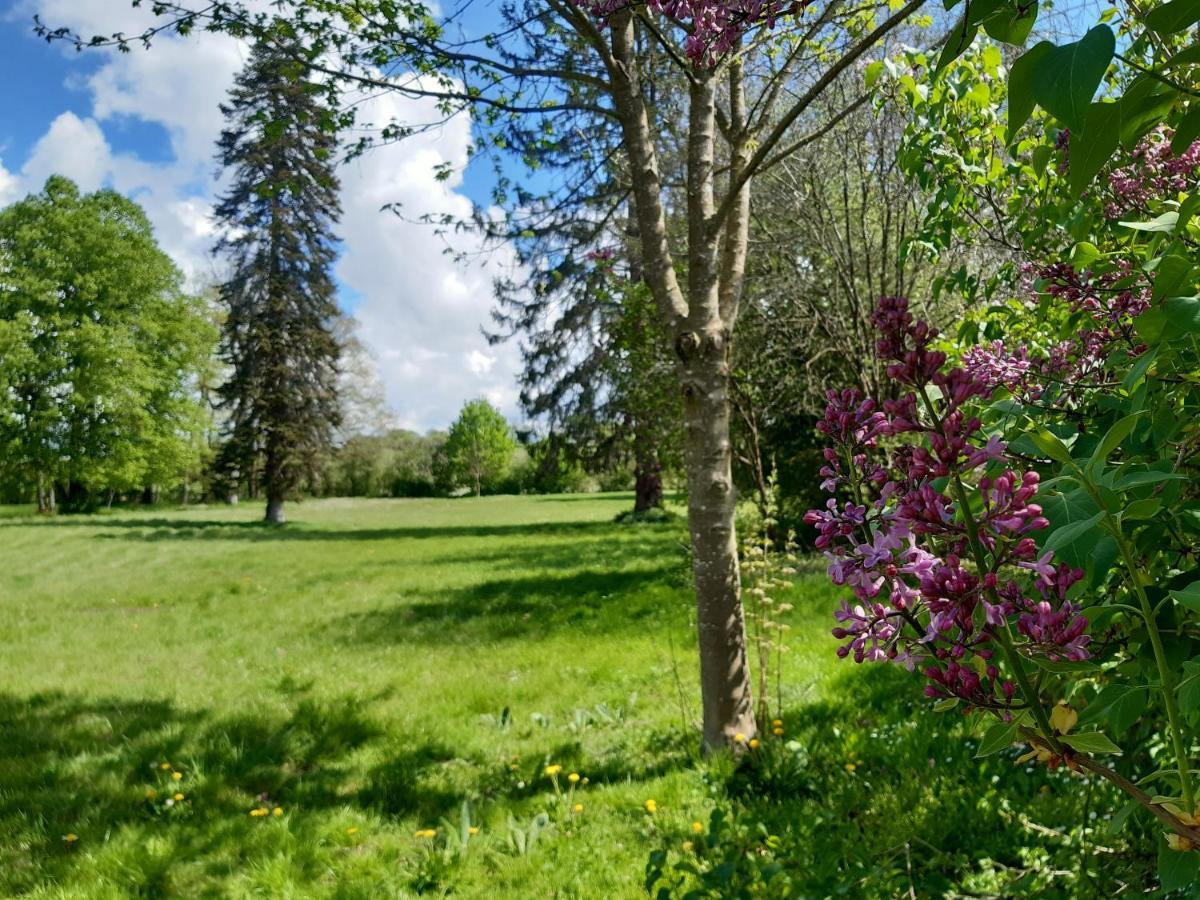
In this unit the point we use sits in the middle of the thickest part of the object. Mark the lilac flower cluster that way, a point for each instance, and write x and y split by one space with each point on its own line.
717 25
1153 171
994 366
932 582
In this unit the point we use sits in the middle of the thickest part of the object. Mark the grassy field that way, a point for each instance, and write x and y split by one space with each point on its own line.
331 692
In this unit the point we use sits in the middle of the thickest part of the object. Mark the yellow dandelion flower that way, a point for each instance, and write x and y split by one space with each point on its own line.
178 797
352 830
778 732
278 811
651 807
754 743
777 723
258 813
573 777
739 738
474 829
177 776
165 766
850 767
425 833
687 846
577 808
698 828
151 793
70 838
553 770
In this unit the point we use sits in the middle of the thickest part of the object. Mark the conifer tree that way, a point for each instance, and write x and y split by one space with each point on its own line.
277 219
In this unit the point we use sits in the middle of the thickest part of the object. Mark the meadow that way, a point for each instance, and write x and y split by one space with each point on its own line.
366 703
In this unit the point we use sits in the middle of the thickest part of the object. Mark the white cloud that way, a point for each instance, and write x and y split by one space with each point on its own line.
421 312
73 147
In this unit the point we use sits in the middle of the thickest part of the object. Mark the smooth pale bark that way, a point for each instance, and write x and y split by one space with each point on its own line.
275 511
701 337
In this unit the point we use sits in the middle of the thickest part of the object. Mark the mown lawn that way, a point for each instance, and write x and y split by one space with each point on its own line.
378 668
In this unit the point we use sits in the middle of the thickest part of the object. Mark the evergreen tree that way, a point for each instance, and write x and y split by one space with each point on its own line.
278 218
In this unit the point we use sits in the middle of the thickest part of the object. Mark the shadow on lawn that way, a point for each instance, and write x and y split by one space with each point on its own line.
510 608
193 529
75 765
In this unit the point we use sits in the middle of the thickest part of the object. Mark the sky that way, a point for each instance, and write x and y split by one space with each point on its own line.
145 123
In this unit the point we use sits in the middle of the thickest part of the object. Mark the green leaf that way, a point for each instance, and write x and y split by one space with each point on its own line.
1066 79
999 737
1188 596
1051 445
1091 742
1083 255
1177 869
1117 822
1068 534
956 43
1139 369
1174 16
1172 276
1188 57
1064 510
1187 209
1152 477
1189 689
1175 318
1094 146
872 73
1144 104
1163 224
1011 24
1115 435
1020 87
1142 509
945 705
1187 132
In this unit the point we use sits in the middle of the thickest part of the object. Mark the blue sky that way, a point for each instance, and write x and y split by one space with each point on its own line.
145 122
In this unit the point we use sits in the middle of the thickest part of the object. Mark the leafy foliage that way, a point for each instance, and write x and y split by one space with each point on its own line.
102 349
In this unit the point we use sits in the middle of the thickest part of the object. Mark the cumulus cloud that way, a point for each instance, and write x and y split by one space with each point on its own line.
421 311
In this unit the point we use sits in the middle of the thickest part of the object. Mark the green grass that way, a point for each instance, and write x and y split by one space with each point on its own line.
373 665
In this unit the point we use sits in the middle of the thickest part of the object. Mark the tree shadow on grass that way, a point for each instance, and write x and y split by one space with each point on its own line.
230 530
594 600
73 765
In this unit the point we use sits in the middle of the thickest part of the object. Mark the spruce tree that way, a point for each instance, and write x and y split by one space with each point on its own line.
277 220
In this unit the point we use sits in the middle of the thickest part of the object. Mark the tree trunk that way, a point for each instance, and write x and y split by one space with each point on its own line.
45 495
275 510
712 502
647 472
701 334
